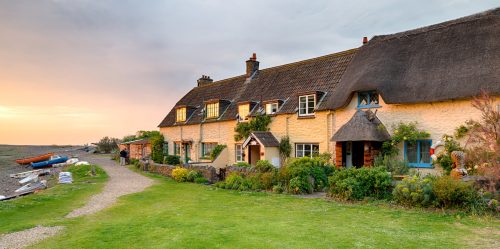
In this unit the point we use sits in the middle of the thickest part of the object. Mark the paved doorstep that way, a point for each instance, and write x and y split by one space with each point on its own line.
122 181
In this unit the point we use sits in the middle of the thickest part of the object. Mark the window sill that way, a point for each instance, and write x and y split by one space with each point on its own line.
421 165
368 106
306 116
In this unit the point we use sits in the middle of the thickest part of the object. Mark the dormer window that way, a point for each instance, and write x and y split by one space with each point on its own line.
271 108
307 104
368 99
212 110
181 114
244 111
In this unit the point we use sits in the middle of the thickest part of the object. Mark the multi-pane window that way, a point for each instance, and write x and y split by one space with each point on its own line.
206 149
418 153
239 153
306 150
243 111
165 149
212 110
271 108
181 114
177 149
306 105
368 99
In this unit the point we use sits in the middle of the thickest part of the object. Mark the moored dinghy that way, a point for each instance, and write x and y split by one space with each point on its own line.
49 162
34 159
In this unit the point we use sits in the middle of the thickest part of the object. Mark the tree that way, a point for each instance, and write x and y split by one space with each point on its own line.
107 144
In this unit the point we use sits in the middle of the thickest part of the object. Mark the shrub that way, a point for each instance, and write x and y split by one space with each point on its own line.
308 174
107 144
391 164
220 185
264 166
192 175
234 181
356 184
267 180
172 160
216 151
451 193
285 148
180 174
243 164
134 162
157 141
278 188
201 180
414 191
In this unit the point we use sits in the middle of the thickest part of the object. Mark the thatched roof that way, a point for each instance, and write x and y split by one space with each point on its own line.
265 138
451 60
281 83
363 126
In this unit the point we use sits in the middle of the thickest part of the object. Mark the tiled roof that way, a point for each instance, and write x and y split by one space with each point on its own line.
265 138
283 82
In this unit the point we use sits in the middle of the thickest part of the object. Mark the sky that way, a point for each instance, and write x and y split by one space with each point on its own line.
74 71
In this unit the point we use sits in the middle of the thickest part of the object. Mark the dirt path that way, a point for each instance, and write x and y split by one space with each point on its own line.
122 181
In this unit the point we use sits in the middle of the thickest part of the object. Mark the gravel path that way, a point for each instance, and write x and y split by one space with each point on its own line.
122 181
27 237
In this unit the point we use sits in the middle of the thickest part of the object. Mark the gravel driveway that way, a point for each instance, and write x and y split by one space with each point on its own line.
122 181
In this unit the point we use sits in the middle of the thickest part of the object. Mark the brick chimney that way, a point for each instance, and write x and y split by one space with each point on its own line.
205 79
252 65
365 40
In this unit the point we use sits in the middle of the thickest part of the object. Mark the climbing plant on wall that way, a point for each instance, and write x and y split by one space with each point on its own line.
258 123
403 132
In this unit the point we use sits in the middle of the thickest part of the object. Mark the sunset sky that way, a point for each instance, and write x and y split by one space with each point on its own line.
72 72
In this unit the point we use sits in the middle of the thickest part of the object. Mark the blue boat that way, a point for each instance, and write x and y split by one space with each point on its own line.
49 162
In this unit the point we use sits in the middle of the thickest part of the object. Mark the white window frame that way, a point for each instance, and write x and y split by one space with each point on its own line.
180 114
307 107
269 108
212 110
238 153
301 148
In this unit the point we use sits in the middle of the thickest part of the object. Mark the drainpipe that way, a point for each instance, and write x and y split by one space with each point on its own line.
328 123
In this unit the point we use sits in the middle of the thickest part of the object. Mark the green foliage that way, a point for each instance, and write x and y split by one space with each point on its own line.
180 174
264 166
308 174
216 151
403 132
451 193
278 188
391 164
325 157
192 175
134 162
258 123
414 191
201 180
128 138
172 160
157 141
356 184
243 164
285 148
107 144
444 159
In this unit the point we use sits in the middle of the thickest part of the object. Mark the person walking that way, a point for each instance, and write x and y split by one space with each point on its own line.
123 157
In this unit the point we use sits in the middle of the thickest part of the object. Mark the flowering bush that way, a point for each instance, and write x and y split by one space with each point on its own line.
403 132
414 191
180 174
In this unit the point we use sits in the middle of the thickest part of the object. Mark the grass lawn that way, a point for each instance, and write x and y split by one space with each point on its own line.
186 215
50 206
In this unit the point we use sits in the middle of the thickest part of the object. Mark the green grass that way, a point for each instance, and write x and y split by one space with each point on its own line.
186 215
50 206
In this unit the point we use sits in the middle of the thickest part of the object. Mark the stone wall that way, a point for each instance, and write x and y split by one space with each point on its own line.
209 172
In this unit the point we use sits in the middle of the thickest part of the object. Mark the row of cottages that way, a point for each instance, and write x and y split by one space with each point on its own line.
345 103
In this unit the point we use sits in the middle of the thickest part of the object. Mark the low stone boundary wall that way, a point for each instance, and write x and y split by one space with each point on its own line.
242 170
208 172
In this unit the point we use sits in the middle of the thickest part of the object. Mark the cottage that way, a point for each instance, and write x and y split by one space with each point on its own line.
344 103
138 149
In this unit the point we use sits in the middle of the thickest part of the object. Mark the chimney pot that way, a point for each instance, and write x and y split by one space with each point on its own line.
365 40
205 79
252 65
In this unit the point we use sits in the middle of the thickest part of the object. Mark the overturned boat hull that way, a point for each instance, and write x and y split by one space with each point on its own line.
34 159
49 162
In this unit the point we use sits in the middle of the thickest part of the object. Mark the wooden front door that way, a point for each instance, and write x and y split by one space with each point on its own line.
253 154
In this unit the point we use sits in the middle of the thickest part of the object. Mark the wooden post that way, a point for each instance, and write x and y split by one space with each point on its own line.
338 154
